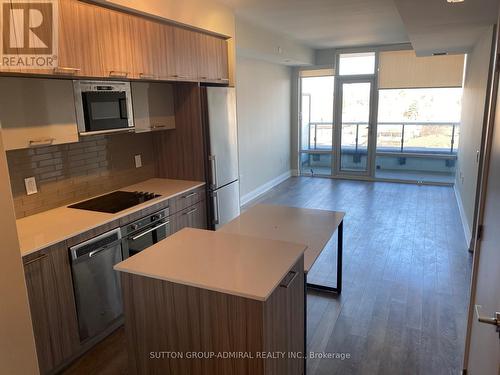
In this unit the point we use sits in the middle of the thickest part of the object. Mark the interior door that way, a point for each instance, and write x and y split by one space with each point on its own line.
483 339
354 126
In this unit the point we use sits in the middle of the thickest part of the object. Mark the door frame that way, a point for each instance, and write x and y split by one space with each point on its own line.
372 125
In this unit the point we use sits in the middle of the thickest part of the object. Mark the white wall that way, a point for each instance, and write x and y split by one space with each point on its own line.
473 113
255 42
263 105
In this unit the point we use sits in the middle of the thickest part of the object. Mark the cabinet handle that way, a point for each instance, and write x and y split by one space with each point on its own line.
150 230
41 257
41 142
177 76
191 211
224 79
285 283
203 77
146 76
116 73
158 126
189 195
66 70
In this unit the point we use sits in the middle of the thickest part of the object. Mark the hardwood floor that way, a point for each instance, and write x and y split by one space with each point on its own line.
405 281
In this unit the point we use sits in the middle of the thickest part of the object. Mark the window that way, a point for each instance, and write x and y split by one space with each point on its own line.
316 123
317 113
357 63
419 120
417 134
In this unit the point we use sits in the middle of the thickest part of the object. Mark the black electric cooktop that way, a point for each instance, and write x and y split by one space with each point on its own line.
115 202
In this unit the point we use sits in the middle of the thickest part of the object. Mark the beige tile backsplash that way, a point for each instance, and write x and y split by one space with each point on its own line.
71 172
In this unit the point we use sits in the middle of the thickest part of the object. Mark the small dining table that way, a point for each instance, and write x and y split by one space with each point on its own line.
310 227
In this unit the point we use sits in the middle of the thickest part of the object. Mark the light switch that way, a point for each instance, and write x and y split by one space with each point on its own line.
30 184
138 161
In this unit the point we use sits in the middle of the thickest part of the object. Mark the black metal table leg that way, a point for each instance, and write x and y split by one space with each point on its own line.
338 288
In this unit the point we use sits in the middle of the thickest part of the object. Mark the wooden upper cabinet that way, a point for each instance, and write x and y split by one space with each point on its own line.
78 36
207 57
115 44
153 45
212 58
99 42
186 54
222 60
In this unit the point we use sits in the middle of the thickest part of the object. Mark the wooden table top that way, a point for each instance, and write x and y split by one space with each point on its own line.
310 227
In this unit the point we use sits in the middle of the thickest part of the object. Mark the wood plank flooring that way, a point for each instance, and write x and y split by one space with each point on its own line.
405 281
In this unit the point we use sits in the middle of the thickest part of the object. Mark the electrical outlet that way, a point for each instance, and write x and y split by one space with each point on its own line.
30 184
138 161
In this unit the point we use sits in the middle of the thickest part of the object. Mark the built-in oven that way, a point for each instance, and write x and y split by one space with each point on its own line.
145 232
103 106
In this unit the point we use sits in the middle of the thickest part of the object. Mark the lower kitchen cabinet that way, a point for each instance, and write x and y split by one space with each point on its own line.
247 332
194 216
52 305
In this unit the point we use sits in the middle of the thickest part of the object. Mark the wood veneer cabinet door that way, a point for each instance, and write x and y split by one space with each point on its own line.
284 323
200 320
52 305
191 217
207 57
152 47
115 43
185 52
222 60
78 39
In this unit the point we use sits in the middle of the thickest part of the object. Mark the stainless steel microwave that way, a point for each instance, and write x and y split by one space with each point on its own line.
103 107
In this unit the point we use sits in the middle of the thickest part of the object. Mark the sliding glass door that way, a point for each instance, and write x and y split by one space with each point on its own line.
354 126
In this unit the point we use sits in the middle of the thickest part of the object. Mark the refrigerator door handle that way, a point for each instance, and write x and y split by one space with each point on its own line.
216 207
213 167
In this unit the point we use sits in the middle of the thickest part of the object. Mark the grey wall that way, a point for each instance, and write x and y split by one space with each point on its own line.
263 105
473 113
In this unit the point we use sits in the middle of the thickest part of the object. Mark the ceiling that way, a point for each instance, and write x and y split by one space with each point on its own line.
438 26
326 23
430 25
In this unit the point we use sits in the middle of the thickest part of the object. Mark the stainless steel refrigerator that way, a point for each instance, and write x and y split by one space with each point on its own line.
222 154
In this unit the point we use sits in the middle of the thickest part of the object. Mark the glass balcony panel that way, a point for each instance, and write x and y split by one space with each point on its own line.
316 164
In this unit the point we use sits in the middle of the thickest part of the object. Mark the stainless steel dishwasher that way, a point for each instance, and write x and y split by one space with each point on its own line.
97 286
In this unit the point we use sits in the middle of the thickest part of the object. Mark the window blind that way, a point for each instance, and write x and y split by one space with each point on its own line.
403 69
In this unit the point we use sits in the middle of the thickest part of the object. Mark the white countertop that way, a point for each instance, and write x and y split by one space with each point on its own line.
311 227
38 231
245 266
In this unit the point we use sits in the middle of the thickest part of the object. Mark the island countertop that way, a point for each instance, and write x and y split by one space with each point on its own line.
41 230
244 266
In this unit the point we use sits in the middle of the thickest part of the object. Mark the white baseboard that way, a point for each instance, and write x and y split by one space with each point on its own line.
463 218
264 188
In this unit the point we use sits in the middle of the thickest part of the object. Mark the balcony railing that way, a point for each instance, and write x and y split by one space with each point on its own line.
392 137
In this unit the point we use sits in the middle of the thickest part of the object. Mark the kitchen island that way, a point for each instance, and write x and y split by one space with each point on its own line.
203 302
238 290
